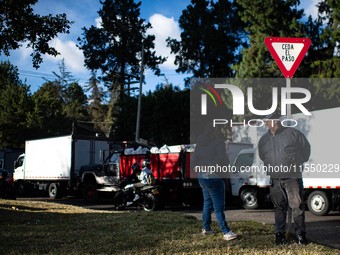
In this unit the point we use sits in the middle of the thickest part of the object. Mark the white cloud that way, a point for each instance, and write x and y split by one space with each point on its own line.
310 7
162 28
24 51
98 22
73 56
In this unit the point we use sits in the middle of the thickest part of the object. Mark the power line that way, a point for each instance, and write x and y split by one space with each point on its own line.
92 122
50 76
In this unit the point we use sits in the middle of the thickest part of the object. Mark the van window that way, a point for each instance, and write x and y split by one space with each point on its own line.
246 159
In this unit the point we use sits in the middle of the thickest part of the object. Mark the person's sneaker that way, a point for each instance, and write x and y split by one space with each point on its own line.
229 236
280 238
302 239
208 232
136 197
129 203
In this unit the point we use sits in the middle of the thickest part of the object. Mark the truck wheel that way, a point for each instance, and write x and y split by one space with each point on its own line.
53 190
119 201
90 193
149 203
249 198
21 189
318 203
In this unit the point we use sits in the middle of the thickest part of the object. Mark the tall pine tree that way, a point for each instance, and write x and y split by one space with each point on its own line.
329 68
212 33
115 47
266 18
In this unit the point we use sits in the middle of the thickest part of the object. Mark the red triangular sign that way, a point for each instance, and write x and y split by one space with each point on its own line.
288 52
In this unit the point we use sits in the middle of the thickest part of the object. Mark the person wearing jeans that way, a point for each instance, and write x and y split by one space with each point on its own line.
213 195
211 151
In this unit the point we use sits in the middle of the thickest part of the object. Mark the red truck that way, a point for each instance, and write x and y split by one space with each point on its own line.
172 171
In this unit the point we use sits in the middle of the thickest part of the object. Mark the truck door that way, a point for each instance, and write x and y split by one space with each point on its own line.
19 170
243 175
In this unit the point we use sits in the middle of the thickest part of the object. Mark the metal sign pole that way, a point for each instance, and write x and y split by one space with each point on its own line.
289 115
140 95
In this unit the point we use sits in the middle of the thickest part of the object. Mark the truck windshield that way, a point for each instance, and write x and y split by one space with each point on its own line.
19 162
246 159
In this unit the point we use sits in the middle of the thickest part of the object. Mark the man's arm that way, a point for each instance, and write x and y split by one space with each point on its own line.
305 147
259 148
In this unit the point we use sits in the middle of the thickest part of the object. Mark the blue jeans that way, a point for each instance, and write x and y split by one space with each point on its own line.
284 193
213 195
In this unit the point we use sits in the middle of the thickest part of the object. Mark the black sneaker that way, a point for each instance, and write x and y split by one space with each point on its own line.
280 238
302 239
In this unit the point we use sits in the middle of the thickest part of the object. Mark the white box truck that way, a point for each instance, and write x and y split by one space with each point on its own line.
321 175
63 164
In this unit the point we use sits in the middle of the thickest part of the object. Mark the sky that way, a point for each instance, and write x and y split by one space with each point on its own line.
163 16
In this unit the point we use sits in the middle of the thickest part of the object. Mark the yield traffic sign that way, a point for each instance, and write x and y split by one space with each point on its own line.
287 52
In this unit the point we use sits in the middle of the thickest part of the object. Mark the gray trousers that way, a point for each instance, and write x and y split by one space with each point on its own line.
284 193
137 186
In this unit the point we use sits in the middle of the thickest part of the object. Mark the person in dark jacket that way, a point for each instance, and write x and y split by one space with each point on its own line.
283 151
7 191
211 151
133 178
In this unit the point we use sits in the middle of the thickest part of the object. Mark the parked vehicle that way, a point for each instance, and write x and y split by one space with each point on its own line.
66 164
321 175
91 166
7 157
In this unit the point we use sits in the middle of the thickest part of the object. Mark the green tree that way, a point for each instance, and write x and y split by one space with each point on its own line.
97 108
115 47
313 29
212 34
48 118
71 94
125 120
62 80
330 67
95 100
164 117
266 18
65 77
75 102
169 122
15 104
57 104
18 24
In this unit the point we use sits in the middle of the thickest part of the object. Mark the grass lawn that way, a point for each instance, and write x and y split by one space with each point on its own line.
28 227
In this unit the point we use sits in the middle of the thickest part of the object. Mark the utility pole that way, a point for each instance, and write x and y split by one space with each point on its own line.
140 94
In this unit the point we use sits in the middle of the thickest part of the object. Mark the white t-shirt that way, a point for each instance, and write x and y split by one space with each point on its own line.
143 177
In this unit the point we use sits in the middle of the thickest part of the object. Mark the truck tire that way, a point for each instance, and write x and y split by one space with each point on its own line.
53 190
22 190
90 194
318 203
249 198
